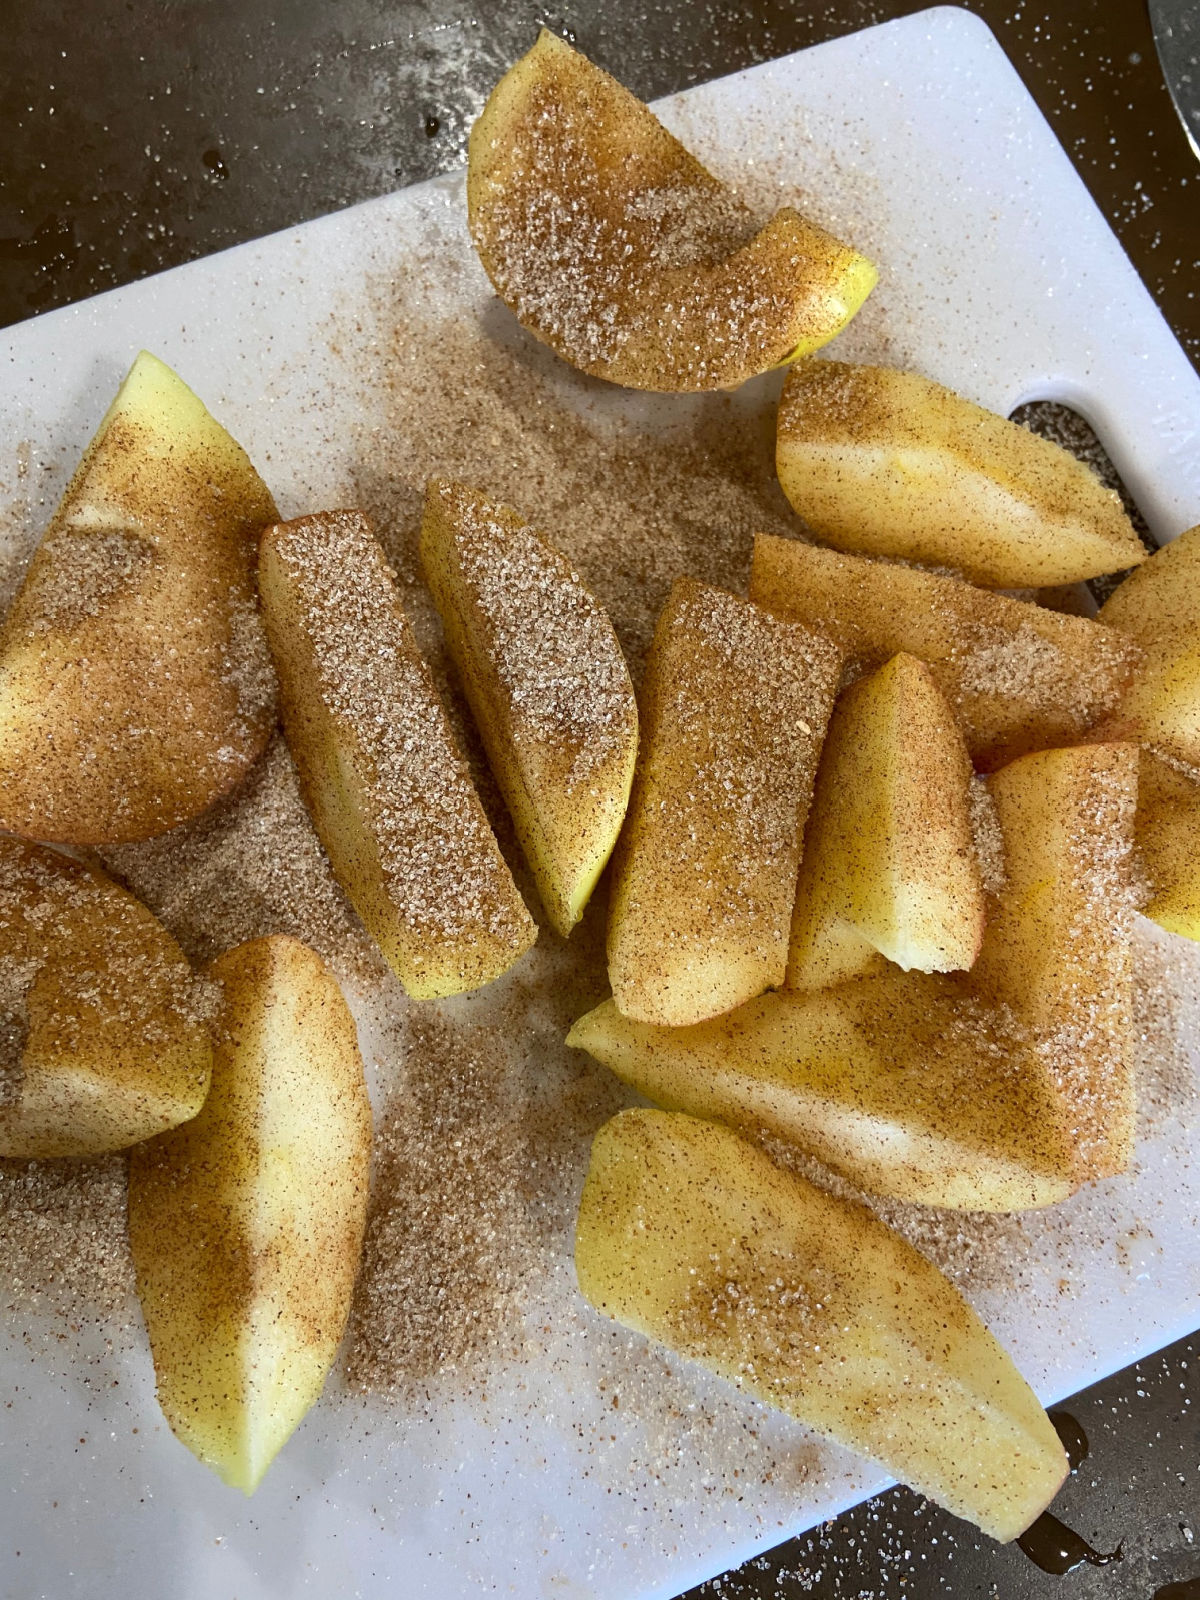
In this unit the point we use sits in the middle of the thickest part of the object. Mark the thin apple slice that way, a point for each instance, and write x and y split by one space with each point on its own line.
1058 948
1018 676
387 787
1168 836
888 463
135 682
547 682
734 708
246 1224
103 1035
900 1083
616 248
691 1236
889 865
1159 606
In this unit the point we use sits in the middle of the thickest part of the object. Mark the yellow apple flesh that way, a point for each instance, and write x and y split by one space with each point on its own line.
135 682
385 782
1018 677
246 1224
103 1036
616 248
546 681
1159 606
889 865
887 463
691 1236
734 708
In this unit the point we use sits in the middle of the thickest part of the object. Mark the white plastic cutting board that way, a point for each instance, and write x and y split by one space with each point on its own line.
1001 279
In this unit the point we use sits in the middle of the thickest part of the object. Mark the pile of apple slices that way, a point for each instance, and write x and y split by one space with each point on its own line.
824 927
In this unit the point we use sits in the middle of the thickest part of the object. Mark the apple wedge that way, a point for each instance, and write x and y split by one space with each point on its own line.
616 248
1018 676
889 865
888 463
734 708
691 1236
103 1035
1168 836
1058 949
900 1083
547 682
1159 606
387 787
246 1224
135 682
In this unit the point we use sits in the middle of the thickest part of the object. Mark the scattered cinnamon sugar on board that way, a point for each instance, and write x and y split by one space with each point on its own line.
251 866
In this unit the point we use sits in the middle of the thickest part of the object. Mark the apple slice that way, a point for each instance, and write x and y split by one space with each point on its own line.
889 865
1168 836
135 682
616 248
1058 948
103 1035
246 1224
734 708
1018 676
388 790
900 1083
890 464
547 683
1159 606
691 1236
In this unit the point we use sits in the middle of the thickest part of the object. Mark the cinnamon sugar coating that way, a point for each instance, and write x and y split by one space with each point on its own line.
135 683
734 708
614 245
382 776
547 683
1018 676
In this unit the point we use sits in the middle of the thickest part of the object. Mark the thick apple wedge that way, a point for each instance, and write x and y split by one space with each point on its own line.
691 1236
103 1035
1168 836
1018 676
616 248
1159 606
901 1083
135 682
246 1225
889 866
1057 952
387 787
547 682
888 463
734 708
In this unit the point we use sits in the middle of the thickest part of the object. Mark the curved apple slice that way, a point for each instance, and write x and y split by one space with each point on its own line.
888 463
247 1223
899 1083
734 709
381 773
547 682
613 245
1159 606
691 1236
103 1035
1168 836
889 866
135 682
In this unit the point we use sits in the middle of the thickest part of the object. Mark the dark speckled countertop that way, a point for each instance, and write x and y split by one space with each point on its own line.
137 135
